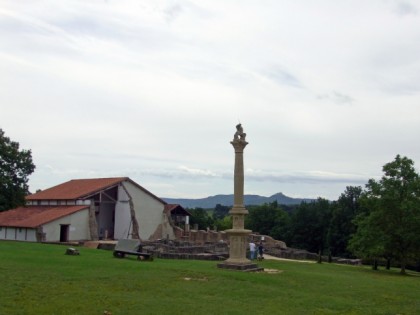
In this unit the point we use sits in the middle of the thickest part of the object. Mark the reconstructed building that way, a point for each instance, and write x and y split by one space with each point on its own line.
92 209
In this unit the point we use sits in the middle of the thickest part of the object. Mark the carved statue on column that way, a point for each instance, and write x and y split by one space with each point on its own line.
239 134
238 235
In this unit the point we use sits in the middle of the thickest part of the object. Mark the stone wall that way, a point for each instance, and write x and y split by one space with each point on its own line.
186 250
203 236
268 241
210 236
300 254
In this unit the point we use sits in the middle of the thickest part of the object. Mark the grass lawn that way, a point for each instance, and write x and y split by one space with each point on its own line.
41 279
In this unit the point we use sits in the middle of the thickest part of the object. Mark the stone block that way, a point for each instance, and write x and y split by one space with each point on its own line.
72 251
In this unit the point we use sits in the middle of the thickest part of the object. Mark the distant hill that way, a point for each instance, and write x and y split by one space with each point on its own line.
227 200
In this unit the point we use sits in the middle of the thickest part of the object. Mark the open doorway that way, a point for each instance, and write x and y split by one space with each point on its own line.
64 232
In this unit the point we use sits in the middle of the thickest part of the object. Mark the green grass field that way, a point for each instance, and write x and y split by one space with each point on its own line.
41 279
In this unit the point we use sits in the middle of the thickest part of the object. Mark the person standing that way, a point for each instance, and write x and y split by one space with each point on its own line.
252 247
260 250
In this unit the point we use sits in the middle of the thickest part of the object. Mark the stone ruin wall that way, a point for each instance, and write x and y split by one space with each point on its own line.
210 236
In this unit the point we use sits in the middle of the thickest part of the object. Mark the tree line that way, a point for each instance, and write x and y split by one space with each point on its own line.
316 226
378 222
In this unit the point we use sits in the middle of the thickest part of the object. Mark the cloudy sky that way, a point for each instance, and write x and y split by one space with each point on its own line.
327 91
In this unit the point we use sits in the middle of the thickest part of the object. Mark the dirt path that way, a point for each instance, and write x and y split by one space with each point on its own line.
285 259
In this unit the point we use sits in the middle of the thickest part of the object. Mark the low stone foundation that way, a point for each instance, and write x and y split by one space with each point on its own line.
186 250
219 251
240 267
299 254
202 256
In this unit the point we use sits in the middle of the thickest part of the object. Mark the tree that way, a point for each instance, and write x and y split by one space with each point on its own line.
15 167
220 211
309 225
268 219
369 240
344 211
223 224
392 224
200 217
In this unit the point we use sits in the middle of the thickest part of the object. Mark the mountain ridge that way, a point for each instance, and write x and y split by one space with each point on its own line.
227 200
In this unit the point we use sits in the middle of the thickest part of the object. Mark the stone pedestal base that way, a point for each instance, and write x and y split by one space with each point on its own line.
238 240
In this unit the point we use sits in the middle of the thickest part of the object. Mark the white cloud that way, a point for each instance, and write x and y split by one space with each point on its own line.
153 90
404 8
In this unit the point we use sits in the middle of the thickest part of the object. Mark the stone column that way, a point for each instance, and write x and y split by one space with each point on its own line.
238 183
238 236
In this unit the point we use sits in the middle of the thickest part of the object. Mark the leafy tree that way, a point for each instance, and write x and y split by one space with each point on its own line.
221 218
369 240
15 167
223 224
309 225
281 228
392 224
344 210
220 211
200 217
268 219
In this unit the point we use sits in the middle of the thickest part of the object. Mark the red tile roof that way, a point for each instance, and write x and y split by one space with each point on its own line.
76 189
170 207
32 217
176 208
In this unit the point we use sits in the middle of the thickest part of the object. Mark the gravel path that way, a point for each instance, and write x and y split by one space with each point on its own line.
285 259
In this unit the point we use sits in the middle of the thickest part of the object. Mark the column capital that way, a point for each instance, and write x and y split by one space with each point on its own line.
239 145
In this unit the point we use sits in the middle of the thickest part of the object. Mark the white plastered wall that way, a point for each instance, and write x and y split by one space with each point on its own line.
167 229
2 232
78 227
122 216
16 233
31 235
10 233
148 210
